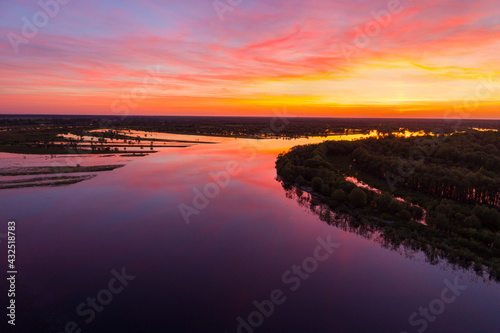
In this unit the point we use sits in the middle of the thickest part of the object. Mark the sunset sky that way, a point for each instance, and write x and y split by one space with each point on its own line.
338 58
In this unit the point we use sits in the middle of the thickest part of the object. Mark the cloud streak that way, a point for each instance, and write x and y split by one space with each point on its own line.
264 52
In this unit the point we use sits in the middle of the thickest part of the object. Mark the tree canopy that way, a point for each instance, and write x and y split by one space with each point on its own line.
452 181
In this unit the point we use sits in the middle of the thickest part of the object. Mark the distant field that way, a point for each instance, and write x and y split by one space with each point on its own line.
286 126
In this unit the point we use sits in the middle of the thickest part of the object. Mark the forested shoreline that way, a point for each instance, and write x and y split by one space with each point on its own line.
452 181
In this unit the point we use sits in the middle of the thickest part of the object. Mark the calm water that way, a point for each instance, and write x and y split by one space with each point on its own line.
239 247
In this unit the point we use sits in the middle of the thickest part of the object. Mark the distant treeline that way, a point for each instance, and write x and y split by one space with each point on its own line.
287 126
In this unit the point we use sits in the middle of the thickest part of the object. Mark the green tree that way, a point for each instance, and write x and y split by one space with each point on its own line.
300 180
395 206
496 243
405 215
383 201
472 222
338 195
325 190
442 222
444 209
317 184
358 197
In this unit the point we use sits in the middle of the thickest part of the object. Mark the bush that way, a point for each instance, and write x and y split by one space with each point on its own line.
395 206
496 243
325 190
442 222
472 222
383 201
317 184
358 197
446 210
300 180
347 186
338 195
405 215
490 217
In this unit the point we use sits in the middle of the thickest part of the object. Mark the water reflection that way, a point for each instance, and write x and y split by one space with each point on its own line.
407 243
359 183
201 277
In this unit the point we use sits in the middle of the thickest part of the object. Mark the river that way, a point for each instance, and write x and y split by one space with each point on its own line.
205 239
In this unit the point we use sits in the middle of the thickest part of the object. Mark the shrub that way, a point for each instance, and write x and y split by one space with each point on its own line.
338 195
358 197
347 186
383 201
300 180
444 209
405 215
317 184
395 206
442 222
496 243
472 222
325 190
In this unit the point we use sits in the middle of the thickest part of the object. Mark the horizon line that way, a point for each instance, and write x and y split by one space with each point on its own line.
235 116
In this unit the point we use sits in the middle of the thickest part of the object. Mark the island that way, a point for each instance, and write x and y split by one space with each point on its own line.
438 194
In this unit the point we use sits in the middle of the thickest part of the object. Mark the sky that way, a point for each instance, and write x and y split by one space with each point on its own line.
337 58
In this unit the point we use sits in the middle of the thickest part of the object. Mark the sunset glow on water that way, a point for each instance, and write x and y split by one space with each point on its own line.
250 166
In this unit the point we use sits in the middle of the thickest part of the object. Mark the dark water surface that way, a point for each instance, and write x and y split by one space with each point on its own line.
203 276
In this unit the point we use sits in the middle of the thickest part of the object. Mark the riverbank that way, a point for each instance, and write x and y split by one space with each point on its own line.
459 231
